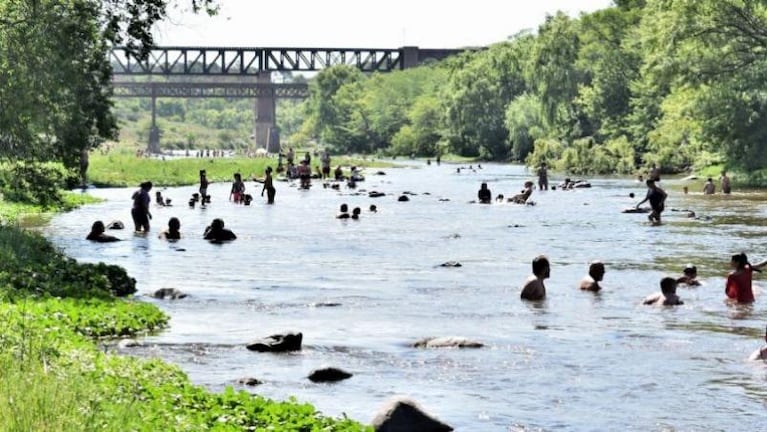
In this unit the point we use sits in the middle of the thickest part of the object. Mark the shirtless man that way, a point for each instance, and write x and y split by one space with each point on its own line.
591 281
534 289
725 183
667 296
709 188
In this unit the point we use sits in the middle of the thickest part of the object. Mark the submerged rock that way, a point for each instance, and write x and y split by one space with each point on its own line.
249 381
277 343
329 374
448 342
404 415
169 293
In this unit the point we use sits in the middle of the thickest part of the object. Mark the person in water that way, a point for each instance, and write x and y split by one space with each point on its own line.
484 195
738 288
97 234
140 211
173 232
203 187
709 188
726 189
338 174
534 289
522 197
543 177
217 233
667 295
343 212
591 281
356 213
689 276
238 189
657 198
761 353
269 186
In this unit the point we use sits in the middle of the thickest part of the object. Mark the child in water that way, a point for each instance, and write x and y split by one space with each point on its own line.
173 232
738 288
667 295
238 189
689 276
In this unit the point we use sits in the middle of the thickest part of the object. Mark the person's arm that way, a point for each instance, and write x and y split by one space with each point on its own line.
644 200
759 265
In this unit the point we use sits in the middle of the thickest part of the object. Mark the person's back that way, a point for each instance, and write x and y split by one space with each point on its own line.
216 232
97 234
725 183
591 281
667 296
534 289
709 188
484 194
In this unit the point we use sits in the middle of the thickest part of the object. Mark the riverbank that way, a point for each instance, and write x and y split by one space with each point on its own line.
60 371
123 169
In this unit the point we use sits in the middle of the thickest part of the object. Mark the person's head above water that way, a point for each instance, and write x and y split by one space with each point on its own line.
217 224
483 186
146 185
690 270
541 266
344 208
668 285
174 224
98 227
597 270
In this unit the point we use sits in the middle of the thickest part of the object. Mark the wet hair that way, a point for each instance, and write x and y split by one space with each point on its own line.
690 269
237 176
710 179
483 185
668 285
98 226
373 208
268 169
540 263
742 260
174 223
356 210
202 172
344 208
595 265
146 185
631 195
217 224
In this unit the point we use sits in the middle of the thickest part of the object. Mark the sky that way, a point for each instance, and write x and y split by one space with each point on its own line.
361 23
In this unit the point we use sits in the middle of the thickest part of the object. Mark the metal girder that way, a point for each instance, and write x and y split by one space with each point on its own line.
250 61
210 90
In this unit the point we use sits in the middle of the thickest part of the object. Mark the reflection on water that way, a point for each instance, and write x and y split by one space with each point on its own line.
363 291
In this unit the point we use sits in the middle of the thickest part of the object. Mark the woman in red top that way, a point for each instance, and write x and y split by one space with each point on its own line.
739 281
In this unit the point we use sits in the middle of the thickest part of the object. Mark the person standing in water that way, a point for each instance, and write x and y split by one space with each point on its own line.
725 183
543 177
709 188
657 198
269 186
738 288
238 189
140 211
203 186
174 230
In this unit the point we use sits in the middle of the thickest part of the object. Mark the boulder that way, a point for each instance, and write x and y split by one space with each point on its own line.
328 374
169 293
277 343
249 381
447 342
404 415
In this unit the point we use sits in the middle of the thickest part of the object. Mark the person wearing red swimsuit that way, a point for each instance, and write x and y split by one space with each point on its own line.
739 280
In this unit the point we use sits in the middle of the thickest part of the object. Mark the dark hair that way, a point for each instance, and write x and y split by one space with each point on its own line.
540 263
668 285
690 269
202 172
174 223
742 260
344 208
98 226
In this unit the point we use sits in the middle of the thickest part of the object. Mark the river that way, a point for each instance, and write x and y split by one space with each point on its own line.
579 361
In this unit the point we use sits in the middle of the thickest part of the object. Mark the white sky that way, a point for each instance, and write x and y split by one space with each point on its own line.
361 23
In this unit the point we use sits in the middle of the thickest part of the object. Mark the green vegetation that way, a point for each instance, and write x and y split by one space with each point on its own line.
125 169
55 378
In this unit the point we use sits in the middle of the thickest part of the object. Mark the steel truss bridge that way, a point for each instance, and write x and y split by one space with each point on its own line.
204 72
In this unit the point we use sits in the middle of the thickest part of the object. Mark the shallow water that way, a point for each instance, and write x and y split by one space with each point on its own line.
578 361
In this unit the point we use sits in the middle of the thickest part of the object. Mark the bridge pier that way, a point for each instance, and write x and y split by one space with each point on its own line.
154 131
266 133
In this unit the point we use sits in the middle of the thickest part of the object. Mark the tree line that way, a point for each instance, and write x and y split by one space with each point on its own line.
678 83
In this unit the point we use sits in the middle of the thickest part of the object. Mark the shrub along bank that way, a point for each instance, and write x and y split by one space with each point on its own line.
54 310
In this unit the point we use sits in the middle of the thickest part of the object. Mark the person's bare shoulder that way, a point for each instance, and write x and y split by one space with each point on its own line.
589 284
653 299
533 289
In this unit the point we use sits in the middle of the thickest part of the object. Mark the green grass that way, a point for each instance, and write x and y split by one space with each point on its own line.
55 378
120 169
18 213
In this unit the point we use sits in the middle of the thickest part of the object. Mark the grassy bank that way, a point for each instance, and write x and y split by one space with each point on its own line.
55 378
17 212
120 169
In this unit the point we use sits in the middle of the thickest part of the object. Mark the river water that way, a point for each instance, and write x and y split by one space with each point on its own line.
578 361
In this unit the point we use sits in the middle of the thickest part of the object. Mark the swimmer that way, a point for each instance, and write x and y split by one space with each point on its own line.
172 233
709 188
343 212
373 208
97 234
689 276
667 296
591 281
356 213
760 354
484 195
217 233
534 289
